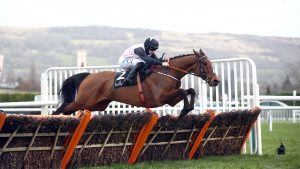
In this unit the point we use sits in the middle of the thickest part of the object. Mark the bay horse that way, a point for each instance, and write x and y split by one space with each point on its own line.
95 91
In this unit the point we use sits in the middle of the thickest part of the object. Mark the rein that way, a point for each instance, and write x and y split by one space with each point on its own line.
175 68
183 71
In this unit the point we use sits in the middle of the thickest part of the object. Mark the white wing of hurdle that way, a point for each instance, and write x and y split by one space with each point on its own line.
238 79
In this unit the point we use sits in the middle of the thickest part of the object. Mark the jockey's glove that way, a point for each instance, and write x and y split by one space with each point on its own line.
165 64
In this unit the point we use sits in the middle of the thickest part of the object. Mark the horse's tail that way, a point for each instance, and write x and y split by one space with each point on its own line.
68 90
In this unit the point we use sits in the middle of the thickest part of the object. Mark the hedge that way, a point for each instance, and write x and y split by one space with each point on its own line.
16 97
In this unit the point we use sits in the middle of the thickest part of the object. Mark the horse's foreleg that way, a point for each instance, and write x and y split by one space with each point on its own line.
182 94
188 106
192 92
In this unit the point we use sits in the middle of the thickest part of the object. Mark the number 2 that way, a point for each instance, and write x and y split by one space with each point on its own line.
121 76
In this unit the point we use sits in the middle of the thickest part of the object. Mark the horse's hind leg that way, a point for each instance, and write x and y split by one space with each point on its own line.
60 109
101 105
72 107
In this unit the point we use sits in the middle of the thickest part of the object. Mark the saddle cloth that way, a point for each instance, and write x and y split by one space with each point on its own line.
121 76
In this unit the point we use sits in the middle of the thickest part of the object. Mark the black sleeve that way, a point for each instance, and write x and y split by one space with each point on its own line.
154 56
142 54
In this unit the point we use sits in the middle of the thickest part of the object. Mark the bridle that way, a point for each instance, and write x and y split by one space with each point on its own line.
202 70
203 73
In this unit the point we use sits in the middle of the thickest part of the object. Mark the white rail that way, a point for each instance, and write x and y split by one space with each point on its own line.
270 97
26 104
280 107
279 113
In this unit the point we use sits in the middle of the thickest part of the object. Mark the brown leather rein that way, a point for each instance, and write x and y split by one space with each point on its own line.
186 72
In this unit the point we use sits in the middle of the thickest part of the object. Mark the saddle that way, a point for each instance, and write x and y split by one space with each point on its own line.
121 76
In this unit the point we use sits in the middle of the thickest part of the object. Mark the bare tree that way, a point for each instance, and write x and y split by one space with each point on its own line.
32 79
268 90
275 89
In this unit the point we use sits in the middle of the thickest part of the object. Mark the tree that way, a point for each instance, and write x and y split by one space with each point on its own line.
287 85
23 85
32 79
275 89
268 90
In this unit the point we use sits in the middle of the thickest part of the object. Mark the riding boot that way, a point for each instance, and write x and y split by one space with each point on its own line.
129 79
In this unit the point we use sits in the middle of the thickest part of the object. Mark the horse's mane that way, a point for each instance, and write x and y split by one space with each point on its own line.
179 56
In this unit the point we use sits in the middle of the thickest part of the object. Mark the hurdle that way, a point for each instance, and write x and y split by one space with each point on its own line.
77 141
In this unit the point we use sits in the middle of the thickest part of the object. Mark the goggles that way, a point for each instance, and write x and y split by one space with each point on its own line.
153 49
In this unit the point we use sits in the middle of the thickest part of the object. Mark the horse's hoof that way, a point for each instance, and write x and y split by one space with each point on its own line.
180 117
183 113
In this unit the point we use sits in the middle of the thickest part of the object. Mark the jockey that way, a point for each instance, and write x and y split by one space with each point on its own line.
138 56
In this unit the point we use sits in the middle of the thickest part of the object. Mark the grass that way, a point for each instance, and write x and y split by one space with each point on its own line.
288 133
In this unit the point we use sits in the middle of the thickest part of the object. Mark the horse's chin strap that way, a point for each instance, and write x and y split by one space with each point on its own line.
141 94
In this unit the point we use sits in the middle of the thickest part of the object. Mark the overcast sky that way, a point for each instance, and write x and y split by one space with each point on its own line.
259 17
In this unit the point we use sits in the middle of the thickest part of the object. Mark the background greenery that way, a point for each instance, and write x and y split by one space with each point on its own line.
15 97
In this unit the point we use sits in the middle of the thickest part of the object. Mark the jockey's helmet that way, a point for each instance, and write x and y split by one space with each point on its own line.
151 44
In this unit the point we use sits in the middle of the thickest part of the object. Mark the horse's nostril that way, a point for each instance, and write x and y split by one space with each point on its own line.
216 82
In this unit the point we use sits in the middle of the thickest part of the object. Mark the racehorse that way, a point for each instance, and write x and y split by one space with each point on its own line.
95 91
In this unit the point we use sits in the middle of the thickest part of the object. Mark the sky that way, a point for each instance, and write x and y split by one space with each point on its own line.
256 17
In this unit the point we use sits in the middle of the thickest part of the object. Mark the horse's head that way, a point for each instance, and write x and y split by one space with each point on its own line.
204 69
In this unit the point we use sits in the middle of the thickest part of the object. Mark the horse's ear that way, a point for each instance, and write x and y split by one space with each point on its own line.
195 52
201 52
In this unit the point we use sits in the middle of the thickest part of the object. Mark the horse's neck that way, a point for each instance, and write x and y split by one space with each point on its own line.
183 63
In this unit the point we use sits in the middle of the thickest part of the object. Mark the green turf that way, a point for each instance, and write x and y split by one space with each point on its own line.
288 133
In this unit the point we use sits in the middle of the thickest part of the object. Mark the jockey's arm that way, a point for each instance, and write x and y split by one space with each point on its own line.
154 56
142 54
